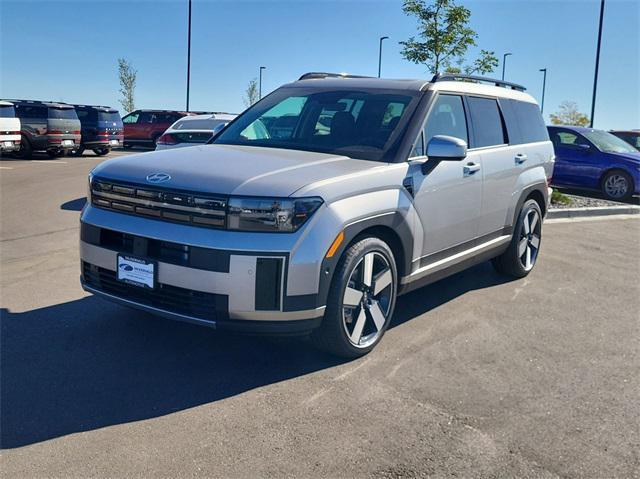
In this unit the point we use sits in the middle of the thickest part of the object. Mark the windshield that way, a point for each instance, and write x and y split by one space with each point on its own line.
605 141
109 116
7 111
358 124
197 124
63 113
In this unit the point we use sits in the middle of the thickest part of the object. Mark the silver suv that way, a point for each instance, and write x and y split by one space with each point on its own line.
314 209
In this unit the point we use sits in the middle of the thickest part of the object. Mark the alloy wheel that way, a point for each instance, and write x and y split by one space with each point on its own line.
367 300
616 186
529 243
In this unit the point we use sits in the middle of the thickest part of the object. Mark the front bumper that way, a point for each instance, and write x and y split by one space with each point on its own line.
224 288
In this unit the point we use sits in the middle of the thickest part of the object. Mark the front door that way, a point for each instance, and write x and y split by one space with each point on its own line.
448 198
576 159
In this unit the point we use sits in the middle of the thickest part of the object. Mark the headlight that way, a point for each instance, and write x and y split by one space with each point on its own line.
270 214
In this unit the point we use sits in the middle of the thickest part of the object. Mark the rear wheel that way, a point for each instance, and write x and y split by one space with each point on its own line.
361 300
25 151
522 254
617 185
56 153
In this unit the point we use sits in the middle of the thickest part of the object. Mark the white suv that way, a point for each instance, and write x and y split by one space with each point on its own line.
315 208
9 128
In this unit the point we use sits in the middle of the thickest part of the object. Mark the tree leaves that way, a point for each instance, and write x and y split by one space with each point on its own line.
444 38
127 75
568 114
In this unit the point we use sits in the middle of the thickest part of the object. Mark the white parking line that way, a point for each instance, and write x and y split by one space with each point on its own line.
50 162
6 168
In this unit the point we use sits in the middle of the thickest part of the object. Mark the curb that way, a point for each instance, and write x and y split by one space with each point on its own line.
554 213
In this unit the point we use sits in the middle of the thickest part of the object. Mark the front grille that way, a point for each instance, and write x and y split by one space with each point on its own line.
168 298
158 250
168 205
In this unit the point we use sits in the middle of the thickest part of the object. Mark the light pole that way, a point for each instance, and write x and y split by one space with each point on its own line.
504 63
189 56
595 77
260 83
544 85
380 55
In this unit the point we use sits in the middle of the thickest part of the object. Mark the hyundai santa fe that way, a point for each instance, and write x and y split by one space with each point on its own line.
319 205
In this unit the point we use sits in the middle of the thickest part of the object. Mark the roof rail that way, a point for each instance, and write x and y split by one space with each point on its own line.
319 75
478 79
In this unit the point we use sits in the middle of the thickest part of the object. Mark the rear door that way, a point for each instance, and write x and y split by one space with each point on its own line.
447 198
33 124
490 140
63 124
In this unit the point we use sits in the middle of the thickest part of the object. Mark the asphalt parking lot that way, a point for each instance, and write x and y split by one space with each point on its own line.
478 376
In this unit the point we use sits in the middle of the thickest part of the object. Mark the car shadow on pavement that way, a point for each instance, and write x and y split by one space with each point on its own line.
74 205
88 364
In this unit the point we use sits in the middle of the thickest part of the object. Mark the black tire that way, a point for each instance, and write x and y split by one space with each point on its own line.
25 151
617 185
78 152
332 335
56 154
154 141
514 262
101 151
126 146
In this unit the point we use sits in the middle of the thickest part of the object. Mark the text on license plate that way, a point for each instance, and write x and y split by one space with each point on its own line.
136 271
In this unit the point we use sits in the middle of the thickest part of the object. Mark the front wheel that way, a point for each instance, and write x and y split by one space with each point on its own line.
361 300
522 254
617 185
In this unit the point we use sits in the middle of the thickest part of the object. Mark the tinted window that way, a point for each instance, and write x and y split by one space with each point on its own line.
446 118
197 124
83 114
31 111
487 122
359 124
63 113
146 117
529 118
109 116
132 118
7 111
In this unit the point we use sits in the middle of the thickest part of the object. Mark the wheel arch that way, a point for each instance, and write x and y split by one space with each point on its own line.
391 227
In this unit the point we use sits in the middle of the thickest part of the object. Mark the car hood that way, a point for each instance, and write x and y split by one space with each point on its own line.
232 170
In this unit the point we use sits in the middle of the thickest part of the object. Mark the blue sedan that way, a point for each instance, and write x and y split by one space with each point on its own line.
595 160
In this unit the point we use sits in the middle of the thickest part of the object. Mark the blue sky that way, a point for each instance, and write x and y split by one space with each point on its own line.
67 50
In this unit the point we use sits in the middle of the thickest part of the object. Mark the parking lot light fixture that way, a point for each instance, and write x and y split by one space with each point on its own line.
260 83
544 86
188 55
504 62
380 55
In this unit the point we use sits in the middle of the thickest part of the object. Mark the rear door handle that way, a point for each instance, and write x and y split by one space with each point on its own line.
520 158
471 168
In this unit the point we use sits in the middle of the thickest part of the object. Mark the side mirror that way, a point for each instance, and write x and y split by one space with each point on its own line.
446 148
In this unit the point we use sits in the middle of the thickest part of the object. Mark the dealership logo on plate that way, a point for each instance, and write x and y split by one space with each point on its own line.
158 177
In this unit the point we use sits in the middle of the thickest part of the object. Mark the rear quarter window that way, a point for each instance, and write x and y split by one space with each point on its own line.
530 121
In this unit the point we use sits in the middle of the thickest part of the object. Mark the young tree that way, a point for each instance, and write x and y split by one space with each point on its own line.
127 75
568 114
251 93
444 38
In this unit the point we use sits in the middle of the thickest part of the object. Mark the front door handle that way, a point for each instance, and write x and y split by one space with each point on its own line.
521 158
471 168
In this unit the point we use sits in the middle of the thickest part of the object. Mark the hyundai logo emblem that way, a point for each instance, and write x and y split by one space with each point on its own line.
158 177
